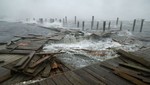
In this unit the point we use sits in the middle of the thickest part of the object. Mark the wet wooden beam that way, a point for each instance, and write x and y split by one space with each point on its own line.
46 71
142 22
40 61
4 74
134 22
31 55
22 61
138 59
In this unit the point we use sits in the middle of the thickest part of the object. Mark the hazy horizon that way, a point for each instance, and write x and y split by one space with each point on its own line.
83 9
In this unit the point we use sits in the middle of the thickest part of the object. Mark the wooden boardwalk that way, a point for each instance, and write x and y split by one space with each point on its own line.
109 72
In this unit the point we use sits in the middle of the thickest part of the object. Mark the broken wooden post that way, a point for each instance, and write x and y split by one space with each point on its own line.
78 24
83 25
66 19
109 25
121 26
97 25
41 20
104 26
60 20
75 19
92 22
117 21
134 22
142 21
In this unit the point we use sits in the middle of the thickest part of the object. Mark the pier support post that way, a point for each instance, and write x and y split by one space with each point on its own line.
134 22
121 26
75 19
66 19
104 26
97 25
117 21
82 25
142 21
109 25
78 24
92 22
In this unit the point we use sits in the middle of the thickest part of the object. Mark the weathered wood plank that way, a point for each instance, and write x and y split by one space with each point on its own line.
61 80
135 58
46 71
4 74
22 61
71 79
135 67
50 81
31 55
77 78
6 51
108 75
40 61
102 79
87 77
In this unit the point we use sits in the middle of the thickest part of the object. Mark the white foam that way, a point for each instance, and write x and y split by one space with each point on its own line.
52 25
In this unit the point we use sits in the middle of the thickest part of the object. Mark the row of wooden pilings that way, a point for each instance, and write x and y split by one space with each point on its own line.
77 23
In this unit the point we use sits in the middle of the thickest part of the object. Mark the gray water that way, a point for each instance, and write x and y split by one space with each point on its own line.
10 29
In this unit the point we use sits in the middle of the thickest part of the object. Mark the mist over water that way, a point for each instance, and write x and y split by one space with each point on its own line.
84 9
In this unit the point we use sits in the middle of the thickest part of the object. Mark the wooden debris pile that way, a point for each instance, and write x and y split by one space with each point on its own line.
33 64
132 67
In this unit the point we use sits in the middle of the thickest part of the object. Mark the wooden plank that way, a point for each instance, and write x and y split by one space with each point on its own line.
32 70
108 75
46 71
6 51
102 79
42 82
39 69
132 79
72 79
77 78
22 61
124 73
87 77
31 55
135 58
40 61
50 81
135 67
4 74
61 80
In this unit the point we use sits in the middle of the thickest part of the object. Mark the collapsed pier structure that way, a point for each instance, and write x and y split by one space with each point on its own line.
74 56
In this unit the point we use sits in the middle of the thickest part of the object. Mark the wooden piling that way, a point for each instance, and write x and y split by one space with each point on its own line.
60 20
82 25
78 23
66 19
92 22
97 25
109 25
117 21
142 21
104 26
75 19
63 21
121 26
134 22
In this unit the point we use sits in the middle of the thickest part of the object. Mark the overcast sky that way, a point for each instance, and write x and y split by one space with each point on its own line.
83 9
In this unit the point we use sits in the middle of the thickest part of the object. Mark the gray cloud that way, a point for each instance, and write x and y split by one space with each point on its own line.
84 9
